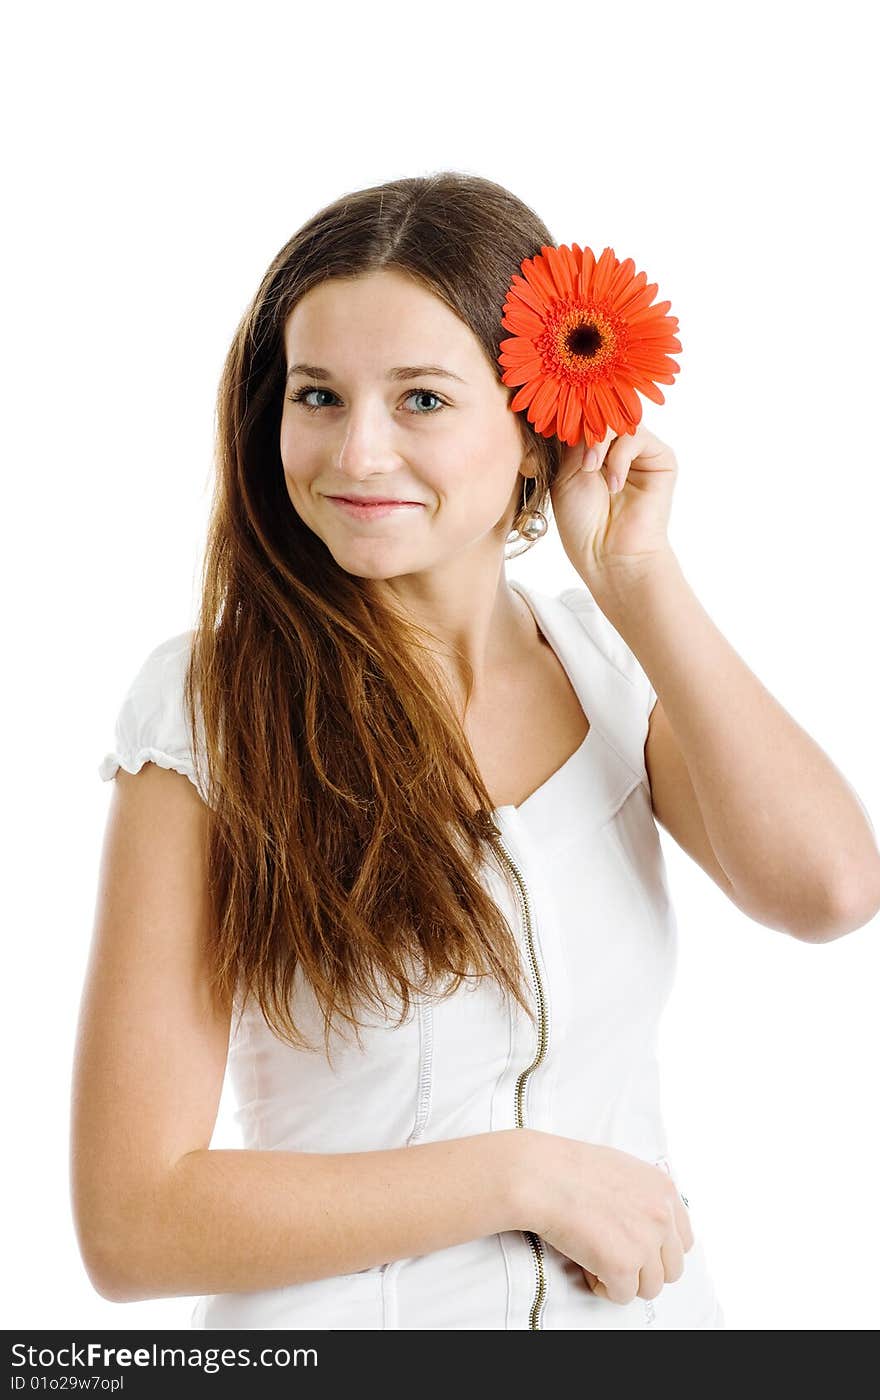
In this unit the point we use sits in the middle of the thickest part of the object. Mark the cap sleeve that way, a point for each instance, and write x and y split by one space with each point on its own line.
624 696
614 648
151 723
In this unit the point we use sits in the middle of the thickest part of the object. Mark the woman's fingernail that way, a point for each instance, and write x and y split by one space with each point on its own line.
592 461
614 485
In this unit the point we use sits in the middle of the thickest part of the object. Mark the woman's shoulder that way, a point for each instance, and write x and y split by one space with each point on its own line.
151 721
608 641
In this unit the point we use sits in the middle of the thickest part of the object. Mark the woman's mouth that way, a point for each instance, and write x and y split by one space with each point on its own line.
372 510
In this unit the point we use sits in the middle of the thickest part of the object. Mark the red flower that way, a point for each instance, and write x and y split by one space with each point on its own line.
584 340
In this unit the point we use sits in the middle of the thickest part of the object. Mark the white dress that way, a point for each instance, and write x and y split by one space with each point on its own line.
581 877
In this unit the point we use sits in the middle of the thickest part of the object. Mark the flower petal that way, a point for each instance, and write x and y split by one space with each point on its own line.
622 278
543 405
588 265
628 397
517 349
570 415
520 290
636 298
649 312
572 257
536 273
604 274
559 271
653 393
609 407
516 374
525 395
523 321
593 415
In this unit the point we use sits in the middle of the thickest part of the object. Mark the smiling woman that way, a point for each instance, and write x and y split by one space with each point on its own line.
363 855
377 372
370 437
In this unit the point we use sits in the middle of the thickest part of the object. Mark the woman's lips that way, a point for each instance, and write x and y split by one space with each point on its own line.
372 510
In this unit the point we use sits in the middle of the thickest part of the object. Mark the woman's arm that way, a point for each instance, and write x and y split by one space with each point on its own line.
788 838
157 1211
235 1221
787 829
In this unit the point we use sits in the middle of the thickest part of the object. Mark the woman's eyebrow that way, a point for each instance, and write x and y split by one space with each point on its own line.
401 372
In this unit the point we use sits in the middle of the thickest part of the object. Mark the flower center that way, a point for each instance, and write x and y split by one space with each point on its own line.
582 344
583 340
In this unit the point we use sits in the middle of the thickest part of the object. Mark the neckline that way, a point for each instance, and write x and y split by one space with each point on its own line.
545 626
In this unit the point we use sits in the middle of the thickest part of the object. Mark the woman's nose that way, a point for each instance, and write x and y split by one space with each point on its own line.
366 443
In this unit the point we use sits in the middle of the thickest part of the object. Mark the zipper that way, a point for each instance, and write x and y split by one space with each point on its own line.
535 1242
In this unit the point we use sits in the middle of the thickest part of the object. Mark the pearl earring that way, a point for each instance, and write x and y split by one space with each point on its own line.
535 523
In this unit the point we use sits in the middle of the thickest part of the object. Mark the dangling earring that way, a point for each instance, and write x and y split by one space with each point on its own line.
535 523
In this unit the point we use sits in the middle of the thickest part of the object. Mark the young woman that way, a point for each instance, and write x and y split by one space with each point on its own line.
382 838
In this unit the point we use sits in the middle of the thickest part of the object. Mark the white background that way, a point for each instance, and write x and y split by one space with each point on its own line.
156 159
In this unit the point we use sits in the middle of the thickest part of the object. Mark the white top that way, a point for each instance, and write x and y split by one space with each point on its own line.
593 915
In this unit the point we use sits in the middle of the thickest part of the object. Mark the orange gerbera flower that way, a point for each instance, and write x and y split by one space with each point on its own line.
584 340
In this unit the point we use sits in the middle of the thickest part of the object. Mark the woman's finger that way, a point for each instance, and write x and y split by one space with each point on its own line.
672 1255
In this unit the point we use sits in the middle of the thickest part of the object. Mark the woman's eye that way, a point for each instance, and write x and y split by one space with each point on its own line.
301 396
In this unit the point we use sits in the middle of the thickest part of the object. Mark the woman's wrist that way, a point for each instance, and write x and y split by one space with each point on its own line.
526 1176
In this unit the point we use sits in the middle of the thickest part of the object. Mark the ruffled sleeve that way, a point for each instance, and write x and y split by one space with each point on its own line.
151 723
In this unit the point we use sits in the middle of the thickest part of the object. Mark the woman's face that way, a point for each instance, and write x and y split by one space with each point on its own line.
370 425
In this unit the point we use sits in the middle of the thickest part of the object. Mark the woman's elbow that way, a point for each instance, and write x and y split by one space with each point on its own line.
107 1271
110 1254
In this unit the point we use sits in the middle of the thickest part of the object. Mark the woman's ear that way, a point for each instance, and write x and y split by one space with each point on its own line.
528 463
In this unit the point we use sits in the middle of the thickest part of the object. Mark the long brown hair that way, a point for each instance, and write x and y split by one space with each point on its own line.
341 840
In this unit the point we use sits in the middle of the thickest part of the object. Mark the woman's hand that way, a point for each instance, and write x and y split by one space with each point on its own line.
612 538
621 1218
